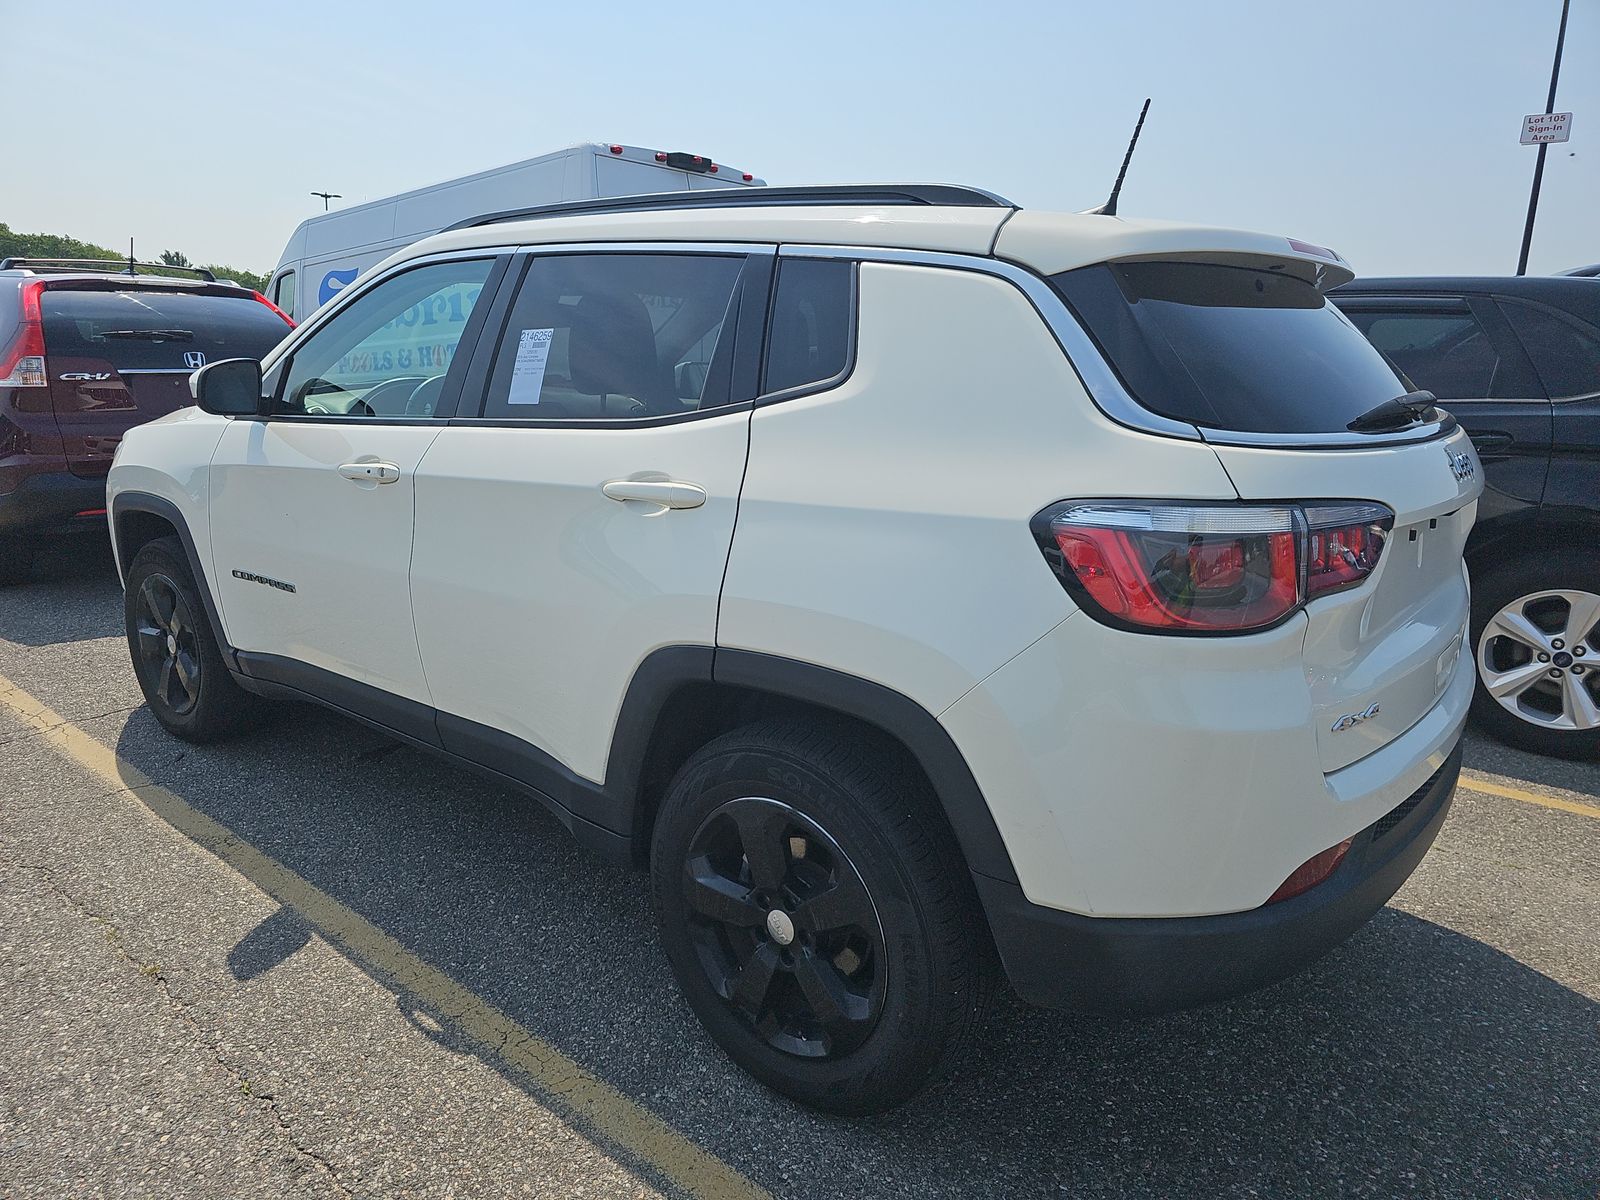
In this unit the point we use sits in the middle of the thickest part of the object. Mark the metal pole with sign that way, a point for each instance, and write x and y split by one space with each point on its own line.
1538 129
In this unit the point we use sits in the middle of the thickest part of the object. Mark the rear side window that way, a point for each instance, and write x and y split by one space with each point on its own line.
1566 356
1448 354
1230 348
594 337
154 330
811 323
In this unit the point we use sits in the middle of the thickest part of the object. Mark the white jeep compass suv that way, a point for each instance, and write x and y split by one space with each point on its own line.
923 587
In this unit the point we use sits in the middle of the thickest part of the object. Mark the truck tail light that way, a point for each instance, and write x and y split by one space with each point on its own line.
1198 569
22 362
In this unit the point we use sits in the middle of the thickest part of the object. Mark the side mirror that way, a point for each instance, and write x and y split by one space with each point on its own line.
230 388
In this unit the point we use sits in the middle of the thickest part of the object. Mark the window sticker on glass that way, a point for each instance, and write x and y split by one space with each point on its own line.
527 375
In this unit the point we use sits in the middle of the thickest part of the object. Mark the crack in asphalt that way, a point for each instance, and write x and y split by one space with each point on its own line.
18 738
266 1103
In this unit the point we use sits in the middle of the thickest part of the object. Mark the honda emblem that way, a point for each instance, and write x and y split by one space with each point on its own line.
194 360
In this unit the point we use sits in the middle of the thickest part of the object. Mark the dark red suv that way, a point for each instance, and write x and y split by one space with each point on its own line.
89 349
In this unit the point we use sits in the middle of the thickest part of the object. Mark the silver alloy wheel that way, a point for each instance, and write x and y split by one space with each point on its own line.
1539 656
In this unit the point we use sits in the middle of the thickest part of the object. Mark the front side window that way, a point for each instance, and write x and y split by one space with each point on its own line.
1448 354
594 337
387 353
283 293
1231 348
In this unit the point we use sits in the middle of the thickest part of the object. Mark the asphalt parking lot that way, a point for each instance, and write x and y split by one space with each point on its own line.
315 962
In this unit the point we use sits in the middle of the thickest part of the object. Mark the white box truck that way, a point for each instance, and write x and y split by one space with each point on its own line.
328 251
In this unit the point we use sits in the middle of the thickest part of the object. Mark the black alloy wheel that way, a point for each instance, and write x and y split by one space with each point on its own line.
784 928
818 915
175 655
168 649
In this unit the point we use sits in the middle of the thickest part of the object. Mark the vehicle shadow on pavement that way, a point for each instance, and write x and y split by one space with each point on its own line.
1413 1059
73 595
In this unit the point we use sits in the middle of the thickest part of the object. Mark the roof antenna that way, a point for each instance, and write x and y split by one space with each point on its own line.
1109 208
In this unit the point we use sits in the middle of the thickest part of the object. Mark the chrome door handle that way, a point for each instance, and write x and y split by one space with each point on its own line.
669 493
370 472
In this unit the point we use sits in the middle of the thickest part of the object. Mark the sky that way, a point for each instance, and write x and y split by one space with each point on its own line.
1384 128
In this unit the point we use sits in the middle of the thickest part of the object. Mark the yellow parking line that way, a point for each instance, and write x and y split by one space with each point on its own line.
1474 782
592 1103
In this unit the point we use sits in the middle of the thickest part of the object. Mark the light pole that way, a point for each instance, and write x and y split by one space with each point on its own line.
1538 169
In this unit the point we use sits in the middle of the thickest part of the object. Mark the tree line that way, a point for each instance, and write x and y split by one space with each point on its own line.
54 245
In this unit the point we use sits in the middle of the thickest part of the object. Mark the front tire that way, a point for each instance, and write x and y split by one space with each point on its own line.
1536 643
175 655
818 916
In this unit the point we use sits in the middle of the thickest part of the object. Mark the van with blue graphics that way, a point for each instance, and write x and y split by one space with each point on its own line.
327 252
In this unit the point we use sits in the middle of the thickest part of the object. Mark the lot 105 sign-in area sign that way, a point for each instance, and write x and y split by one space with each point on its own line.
1539 128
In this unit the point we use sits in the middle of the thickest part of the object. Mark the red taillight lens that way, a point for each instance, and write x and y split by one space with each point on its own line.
748 178
616 149
1344 542
260 299
661 156
22 362
1180 568
1311 872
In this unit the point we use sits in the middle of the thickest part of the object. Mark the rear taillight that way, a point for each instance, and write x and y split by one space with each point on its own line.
1183 568
260 299
1343 544
22 362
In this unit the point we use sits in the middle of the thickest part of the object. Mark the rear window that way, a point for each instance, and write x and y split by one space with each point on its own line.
154 330
1230 347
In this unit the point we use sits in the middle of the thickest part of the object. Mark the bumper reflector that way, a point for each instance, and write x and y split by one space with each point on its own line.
1311 872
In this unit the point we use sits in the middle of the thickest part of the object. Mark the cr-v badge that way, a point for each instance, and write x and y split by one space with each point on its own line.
1351 720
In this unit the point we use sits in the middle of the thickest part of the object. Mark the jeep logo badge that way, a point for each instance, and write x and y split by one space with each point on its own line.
1351 720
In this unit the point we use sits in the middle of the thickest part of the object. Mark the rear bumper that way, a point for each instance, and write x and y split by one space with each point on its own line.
50 501
1155 964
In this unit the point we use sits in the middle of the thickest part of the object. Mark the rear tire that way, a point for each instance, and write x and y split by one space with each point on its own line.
819 917
16 559
1521 609
175 654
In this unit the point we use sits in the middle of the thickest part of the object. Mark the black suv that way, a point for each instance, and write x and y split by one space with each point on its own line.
1517 360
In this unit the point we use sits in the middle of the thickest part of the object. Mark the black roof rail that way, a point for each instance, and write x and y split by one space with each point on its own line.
949 194
122 265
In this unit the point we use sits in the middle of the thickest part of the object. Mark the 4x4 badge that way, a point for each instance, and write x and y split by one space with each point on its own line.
1461 465
1348 721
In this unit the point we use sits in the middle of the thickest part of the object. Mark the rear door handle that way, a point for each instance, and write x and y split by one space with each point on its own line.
1491 441
370 472
669 493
